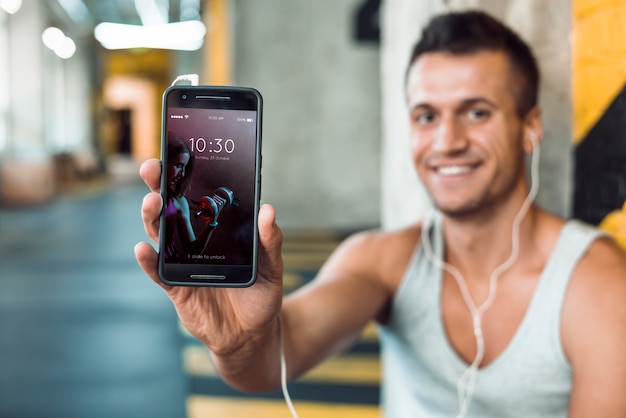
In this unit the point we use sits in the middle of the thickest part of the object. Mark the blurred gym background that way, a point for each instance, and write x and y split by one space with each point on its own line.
82 331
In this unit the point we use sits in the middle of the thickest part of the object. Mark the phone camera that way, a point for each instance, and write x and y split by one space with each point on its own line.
184 96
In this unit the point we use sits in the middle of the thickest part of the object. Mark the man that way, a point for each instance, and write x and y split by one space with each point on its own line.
518 311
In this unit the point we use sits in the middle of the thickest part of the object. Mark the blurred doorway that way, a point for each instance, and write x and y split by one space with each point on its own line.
123 122
132 124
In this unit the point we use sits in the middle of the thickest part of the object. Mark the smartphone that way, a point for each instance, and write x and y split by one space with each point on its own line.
211 185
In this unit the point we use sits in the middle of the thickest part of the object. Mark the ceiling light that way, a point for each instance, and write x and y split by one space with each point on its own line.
63 46
187 36
52 37
66 48
10 6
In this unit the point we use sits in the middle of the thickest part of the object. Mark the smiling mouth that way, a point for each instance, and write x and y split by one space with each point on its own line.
454 170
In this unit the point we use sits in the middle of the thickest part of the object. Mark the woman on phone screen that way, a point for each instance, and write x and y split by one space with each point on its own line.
180 163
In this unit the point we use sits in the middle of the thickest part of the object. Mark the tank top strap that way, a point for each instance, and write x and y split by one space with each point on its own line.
572 244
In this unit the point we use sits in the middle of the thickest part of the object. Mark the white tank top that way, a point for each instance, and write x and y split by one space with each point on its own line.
530 378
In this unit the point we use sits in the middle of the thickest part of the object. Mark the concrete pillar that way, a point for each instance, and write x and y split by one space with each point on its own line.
26 171
546 26
321 128
26 87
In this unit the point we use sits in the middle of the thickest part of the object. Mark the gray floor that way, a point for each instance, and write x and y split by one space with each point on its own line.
83 333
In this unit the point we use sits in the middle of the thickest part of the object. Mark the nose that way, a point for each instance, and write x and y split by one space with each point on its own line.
449 137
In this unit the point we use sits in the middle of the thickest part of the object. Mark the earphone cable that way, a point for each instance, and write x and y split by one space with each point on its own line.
467 381
283 372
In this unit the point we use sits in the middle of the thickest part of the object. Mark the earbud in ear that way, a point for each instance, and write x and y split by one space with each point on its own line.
533 140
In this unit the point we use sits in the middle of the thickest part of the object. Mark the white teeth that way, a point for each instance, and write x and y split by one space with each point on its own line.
454 170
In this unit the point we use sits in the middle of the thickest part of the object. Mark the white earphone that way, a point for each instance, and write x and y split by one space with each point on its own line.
533 139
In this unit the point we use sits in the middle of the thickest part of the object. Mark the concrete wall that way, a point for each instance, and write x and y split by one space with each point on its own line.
321 142
546 25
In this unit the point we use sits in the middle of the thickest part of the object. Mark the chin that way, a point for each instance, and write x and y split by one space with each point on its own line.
459 210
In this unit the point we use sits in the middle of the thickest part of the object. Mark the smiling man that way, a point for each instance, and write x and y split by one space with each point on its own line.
468 138
491 307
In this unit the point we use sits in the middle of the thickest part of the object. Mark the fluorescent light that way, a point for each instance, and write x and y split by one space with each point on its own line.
52 37
187 36
10 6
55 39
66 48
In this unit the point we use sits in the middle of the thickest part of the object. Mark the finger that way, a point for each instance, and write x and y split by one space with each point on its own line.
270 245
150 172
150 211
147 259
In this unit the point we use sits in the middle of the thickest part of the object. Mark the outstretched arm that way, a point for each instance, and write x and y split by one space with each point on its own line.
236 324
240 326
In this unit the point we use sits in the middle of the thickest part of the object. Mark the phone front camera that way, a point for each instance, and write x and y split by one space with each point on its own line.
184 96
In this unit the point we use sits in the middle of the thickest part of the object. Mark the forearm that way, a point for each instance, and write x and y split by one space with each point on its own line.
318 320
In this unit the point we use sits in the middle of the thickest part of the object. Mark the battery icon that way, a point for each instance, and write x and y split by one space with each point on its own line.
249 120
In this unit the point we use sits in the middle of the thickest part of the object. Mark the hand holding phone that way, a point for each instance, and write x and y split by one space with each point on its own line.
222 318
211 153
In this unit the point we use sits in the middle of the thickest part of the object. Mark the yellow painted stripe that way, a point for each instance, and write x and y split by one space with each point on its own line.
370 333
217 47
598 51
353 369
292 281
304 260
312 235
204 407
325 247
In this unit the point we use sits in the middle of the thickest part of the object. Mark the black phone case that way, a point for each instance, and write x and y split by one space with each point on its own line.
211 159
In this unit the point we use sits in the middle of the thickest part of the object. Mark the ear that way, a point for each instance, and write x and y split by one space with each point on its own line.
533 129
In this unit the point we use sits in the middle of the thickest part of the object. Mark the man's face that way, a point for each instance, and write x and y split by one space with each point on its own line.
467 139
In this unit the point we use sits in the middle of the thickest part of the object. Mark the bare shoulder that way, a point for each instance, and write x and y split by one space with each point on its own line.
603 265
593 331
595 306
599 280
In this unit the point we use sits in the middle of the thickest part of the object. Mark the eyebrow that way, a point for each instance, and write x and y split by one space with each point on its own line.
478 100
465 103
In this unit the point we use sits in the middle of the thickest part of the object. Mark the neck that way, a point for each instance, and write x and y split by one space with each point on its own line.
480 243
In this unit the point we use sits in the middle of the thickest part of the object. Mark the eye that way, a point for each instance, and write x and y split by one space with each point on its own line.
478 114
424 118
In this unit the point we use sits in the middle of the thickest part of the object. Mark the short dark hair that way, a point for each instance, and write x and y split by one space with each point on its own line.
471 31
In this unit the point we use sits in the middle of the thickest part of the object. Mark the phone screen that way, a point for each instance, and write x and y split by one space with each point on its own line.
210 186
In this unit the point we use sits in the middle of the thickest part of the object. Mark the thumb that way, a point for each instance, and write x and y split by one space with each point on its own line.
270 245
147 259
